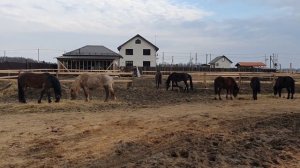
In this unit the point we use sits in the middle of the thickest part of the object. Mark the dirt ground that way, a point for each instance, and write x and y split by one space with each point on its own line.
146 127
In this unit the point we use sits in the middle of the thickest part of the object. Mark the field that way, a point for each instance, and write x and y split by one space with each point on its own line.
146 127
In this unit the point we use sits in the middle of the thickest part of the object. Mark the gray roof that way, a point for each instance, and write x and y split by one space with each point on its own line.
92 50
87 57
139 36
218 58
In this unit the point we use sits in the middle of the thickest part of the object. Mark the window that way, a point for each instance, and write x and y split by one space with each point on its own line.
129 63
146 63
146 52
223 59
217 64
129 52
138 41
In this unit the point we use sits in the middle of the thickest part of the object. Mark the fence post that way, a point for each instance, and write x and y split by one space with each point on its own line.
204 79
240 79
273 79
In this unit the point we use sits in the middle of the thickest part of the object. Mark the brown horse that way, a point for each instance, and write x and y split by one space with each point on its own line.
92 81
44 81
227 83
285 82
158 79
178 77
255 86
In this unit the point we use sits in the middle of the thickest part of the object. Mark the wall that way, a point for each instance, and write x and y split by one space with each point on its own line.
223 63
138 56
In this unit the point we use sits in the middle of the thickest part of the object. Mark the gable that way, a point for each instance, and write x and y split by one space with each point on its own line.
219 59
138 37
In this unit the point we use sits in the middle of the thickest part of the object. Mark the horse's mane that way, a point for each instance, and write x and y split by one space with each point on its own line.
55 83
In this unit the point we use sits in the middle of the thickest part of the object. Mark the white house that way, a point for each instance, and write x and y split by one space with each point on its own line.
139 52
220 62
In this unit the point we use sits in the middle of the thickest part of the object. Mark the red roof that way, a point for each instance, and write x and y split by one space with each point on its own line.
251 64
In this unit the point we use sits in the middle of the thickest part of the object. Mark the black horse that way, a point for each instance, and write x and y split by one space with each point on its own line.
227 83
178 77
158 79
44 81
255 85
285 82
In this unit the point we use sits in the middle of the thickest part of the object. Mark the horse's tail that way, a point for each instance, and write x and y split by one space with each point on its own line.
293 86
21 94
258 86
191 81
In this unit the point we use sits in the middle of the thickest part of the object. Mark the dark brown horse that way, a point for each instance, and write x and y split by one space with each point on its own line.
227 83
43 81
255 85
158 79
285 82
178 77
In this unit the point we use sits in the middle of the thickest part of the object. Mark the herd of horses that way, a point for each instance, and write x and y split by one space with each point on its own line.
88 82
228 84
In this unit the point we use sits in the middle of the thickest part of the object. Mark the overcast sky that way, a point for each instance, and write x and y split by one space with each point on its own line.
246 30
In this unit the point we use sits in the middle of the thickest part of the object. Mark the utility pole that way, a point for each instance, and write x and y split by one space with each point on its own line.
266 60
163 58
196 59
270 61
172 60
38 55
209 57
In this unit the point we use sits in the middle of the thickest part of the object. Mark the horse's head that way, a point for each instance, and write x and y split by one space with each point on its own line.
57 98
235 90
73 93
167 85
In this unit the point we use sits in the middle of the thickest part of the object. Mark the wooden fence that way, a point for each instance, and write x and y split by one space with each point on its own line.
204 78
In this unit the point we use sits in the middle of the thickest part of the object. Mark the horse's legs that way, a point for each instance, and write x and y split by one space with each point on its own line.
23 99
226 93
86 93
186 86
49 96
289 92
41 96
254 95
279 92
219 92
230 93
106 92
112 93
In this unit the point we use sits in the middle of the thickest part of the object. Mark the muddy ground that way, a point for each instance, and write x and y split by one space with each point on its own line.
146 127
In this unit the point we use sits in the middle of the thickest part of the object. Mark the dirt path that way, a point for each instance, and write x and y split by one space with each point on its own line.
240 133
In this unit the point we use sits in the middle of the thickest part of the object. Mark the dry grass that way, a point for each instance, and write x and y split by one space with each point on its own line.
146 127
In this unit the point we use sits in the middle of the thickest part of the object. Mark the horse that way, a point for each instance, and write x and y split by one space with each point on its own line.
227 83
284 82
45 81
178 77
92 81
255 85
158 79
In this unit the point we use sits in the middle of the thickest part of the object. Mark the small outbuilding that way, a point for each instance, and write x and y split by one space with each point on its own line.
90 57
220 62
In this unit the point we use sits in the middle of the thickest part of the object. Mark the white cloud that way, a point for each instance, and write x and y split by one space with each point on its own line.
97 16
